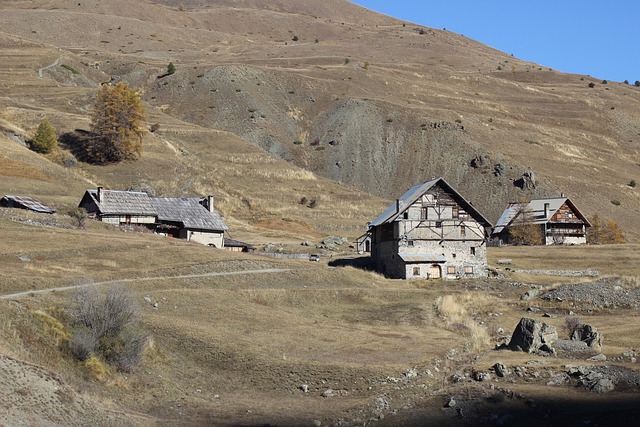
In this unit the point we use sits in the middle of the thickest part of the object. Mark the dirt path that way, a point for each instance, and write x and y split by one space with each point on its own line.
54 64
141 279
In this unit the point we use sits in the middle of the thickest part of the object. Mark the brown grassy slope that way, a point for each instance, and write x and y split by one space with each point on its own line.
232 350
240 71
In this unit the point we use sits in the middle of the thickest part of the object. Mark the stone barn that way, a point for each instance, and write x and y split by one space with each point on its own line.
430 232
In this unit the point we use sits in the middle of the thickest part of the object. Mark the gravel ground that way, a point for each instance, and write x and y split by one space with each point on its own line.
603 293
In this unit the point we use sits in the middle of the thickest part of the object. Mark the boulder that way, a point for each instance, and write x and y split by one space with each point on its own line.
531 334
589 335
500 370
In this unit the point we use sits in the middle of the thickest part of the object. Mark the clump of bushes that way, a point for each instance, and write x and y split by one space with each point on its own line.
105 327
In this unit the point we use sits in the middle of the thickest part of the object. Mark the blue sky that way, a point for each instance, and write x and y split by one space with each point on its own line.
596 38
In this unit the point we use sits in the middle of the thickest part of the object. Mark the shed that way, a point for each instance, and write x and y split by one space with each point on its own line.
24 202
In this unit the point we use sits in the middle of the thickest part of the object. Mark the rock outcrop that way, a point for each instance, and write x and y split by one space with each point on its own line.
530 335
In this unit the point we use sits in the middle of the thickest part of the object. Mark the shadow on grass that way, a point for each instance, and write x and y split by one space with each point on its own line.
362 263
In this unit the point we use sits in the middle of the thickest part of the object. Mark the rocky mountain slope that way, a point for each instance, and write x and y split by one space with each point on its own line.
360 98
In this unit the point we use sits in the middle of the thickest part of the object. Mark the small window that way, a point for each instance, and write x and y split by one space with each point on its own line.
416 271
409 242
463 230
455 212
438 224
570 215
468 269
451 269
473 251
405 215
423 213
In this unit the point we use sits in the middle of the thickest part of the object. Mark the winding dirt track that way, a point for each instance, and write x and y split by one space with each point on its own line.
140 279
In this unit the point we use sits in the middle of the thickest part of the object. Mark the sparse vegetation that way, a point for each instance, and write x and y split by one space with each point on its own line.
79 216
105 327
45 139
117 125
604 232
70 68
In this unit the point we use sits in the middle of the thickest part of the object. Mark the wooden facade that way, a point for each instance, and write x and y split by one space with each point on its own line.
430 232
558 219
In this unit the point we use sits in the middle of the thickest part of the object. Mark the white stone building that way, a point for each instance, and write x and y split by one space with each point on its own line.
430 232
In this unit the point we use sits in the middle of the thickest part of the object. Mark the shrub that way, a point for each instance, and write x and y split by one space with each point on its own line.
154 127
592 84
637 83
79 216
45 139
604 232
70 68
571 324
295 38
604 82
171 68
632 183
105 325
615 202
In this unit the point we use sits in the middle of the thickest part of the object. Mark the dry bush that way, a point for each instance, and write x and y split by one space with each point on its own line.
105 323
572 324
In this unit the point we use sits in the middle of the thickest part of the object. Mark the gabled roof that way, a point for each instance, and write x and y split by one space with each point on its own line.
414 193
115 202
189 212
25 202
535 212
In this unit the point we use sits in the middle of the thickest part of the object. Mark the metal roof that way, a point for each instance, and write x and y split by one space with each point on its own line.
414 193
416 258
25 202
115 202
535 212
189 212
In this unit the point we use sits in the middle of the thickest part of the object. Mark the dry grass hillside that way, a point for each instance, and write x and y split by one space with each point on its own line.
243 339
274 103
350 95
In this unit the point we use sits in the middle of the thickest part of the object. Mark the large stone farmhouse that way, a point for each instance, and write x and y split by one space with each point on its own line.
430 232
190 218
558 219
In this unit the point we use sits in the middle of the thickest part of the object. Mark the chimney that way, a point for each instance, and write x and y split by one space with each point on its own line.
99 195
210 203
546 210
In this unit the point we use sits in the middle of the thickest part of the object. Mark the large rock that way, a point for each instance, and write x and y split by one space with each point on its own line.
531 334
589 335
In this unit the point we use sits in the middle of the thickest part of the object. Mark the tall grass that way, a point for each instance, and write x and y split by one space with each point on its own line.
453 308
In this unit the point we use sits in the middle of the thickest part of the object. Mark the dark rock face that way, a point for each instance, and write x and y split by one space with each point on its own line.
589 335
531 334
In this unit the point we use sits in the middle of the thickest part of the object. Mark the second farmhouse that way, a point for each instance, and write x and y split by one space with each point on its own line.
430 232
